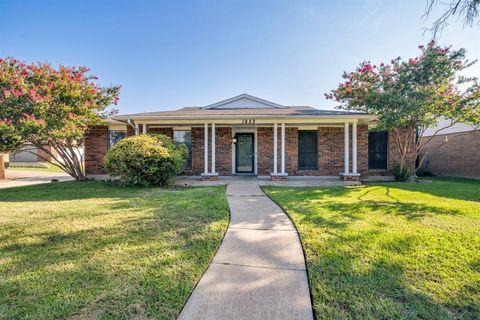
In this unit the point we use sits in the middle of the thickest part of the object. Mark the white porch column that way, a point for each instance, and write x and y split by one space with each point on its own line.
205 148
213 147
283 148
275 147
137 129
354 148
346 149
144 129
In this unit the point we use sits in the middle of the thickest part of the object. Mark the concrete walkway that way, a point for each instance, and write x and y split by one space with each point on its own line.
259 270
21 178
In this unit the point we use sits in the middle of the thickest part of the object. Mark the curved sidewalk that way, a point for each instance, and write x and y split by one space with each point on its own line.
259 270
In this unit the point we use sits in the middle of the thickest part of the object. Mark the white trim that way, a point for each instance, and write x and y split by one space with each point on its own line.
213 148
349 174
255 152
346 159
118 127
283 148
338 118
205 149
189 128
354 148
275 147
260 120
234 152
303 127
244 96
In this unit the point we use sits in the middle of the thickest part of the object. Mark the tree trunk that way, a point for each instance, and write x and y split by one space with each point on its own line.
2 167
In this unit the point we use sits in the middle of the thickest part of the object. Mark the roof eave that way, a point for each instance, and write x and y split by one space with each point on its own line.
216 117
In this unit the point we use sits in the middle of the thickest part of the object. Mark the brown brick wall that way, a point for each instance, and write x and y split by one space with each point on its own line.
459 156
393 155
265 151
165 131
44 156
223 154
96 147
197 150
330 150
130 131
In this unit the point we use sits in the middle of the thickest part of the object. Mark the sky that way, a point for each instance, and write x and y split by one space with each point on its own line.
171 54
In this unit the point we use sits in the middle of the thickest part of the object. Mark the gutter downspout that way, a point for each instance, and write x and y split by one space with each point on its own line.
129 122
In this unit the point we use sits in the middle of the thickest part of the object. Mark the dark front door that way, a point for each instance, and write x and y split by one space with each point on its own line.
245 153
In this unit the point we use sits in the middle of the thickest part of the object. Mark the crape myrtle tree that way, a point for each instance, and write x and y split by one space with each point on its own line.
51 109
413 95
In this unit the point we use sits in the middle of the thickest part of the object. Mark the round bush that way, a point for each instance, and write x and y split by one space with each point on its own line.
146 160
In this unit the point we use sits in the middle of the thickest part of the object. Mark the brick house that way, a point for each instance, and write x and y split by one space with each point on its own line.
30 153
246 135
453 151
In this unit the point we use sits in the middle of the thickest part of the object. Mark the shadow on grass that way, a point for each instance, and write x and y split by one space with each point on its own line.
380 291
139 255
453 188
348 285
371 255
69 190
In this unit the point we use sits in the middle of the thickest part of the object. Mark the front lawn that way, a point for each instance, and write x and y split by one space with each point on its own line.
391 250
97 251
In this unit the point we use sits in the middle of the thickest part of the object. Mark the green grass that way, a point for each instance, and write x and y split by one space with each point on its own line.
97 251
391 250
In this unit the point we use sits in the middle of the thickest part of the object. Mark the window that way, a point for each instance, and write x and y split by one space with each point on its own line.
185 137
377 150
307 150
114 136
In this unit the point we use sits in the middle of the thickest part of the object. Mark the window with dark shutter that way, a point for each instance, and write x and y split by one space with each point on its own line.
377 150
307 150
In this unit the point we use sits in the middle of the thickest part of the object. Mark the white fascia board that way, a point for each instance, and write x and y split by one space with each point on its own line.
244 96
223 118
117 127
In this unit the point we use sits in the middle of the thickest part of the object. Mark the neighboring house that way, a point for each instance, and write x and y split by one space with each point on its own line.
454 151
30 153
245 135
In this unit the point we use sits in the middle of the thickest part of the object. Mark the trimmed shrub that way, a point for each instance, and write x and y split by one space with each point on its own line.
146 160
401 174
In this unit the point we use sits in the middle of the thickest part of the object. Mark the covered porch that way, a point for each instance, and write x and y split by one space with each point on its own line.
268 148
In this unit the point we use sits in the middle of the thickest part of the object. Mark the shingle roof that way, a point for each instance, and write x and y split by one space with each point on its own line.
200 111
243 105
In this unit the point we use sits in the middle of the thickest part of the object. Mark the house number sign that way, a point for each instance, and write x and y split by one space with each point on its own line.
248 121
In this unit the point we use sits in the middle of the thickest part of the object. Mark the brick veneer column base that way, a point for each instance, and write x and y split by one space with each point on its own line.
278 176
350 176
210 176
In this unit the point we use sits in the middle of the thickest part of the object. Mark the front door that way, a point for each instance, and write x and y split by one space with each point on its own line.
244 151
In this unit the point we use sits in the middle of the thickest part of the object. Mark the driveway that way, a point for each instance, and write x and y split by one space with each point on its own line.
259 270
20 178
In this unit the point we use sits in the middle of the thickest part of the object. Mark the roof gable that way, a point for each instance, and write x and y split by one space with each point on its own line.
244 101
